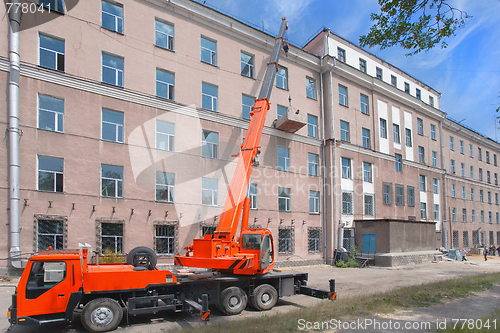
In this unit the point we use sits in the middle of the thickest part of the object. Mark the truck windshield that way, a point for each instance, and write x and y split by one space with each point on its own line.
251 241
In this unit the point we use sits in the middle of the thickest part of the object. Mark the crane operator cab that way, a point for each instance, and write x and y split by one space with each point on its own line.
259 242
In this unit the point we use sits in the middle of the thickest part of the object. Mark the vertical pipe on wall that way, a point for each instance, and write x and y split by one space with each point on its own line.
323 165
14 135
334 190
443 214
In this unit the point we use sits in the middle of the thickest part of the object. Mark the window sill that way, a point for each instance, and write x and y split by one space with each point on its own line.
165 202
250 77
311 98
116 32
112 85
346 106
112 141
284 211
52 69
204 62
45 191
102 196
310 213
286 89
48 130
163 48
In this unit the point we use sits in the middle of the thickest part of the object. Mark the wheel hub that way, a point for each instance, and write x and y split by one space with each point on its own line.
234 302
101 316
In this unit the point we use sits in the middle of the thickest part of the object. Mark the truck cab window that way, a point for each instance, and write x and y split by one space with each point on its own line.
43 276
251 241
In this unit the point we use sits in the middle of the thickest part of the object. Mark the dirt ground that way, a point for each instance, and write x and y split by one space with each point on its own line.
349 282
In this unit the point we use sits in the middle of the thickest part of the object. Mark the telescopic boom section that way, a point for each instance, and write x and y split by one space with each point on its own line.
222 251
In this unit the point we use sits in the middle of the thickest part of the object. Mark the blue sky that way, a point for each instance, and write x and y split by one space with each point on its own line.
467 72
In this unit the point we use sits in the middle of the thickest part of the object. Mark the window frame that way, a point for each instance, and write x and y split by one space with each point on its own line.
345 133
118 20
284 197
343 95
119 136
365 105
56 174
366 139
285 158
213 147
212 54
170 37
170 86
119 72
282 74
59 57
311 88
118 182
314 202
206 184
213 98
168 185
314 164
312 127
247 63
170 137
57 114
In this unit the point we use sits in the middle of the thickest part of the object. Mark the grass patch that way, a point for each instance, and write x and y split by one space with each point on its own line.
359 307
492 324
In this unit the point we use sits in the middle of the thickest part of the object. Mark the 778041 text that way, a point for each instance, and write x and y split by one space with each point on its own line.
27 7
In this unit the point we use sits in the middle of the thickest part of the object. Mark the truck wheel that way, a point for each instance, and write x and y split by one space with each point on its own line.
233 300
264 297
102 315
142 256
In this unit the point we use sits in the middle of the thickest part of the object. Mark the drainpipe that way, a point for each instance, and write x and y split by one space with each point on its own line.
14 136
323 165
334 190
445 223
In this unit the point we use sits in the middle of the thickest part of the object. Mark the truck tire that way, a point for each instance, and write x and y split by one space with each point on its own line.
233 300
142 256
102 315
264 297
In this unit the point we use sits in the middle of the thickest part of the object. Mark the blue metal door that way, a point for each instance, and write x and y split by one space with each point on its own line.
369 241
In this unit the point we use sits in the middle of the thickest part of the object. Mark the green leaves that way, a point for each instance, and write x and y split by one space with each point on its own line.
415 25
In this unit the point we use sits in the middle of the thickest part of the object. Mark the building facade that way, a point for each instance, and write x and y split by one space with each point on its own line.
130 124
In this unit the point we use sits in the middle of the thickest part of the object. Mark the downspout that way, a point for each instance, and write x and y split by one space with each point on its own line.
14 136
323 165
444 232
334 191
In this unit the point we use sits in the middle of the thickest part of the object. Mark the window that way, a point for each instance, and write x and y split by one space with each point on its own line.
50 233
314 239
111 181
314 202
341 54
112 17
51 53
208 51
310 88
383 128
488 157
480 174
418 93
495 159
435 186
498 233
462 169
473 216
482 216
489 197
400 195
50 174
399 162
481 196
423 211
471 172
452 166
369 205
490 222
394 81
346 168
312 126
453 190
50 113
431 101
247 65
283 199
342 95
420 126
252 193
165 135
347 201
282 78
471 151
472 195
209 144
112 70
344 131
454 214
395 129
366 138
433 132
496 178
488 177
112 126
112 237
496 199
452 143
422 184
165 186
164 84
246 106
285 240
378 73
209 192
464 215
479 154
56 5
313 164
434 159
436 212
367 172
421 154
461 147
387 192
463 193
165 239
281 110
164 35
362 65
408 137
411 196
209 97
365 109
283 159
407 87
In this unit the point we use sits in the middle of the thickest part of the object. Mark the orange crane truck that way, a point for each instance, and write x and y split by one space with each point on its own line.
56 283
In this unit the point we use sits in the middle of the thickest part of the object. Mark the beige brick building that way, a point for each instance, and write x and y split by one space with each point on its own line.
130 113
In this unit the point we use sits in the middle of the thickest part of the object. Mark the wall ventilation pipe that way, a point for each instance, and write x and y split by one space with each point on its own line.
14 135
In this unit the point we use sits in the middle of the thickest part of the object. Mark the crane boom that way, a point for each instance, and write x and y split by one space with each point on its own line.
223 251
